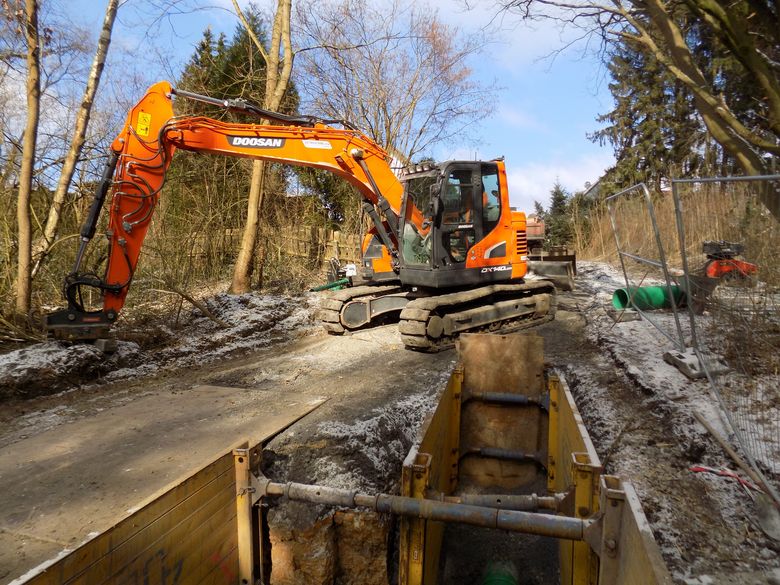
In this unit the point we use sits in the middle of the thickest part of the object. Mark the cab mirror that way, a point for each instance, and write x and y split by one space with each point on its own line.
435 205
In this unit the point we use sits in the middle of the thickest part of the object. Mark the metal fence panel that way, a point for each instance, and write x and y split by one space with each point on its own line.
729 246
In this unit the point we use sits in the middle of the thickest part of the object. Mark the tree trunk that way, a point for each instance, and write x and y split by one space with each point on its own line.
44 244
24 276
275 87
722 124
242 272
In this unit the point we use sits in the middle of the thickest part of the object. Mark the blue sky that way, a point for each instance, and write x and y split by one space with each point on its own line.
539 121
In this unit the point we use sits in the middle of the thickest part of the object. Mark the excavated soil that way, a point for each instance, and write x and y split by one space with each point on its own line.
639 414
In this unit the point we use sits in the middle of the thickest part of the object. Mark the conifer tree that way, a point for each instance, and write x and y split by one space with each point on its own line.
652 129
206 195
557 219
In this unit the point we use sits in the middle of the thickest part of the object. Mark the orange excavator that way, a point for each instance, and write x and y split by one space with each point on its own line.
446 253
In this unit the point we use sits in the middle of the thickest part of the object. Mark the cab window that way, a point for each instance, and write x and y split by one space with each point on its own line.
416 243
458 198
491 199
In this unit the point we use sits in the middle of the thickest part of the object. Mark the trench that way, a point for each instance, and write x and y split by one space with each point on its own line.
320 545
363 450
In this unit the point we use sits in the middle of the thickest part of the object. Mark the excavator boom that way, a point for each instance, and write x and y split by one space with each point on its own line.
135 173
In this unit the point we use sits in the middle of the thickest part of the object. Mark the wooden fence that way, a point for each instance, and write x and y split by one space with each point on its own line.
315 244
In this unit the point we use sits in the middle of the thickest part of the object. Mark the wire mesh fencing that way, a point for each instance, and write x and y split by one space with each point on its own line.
644 231
729 247
716 241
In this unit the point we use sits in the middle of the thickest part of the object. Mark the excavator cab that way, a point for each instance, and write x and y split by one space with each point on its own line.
466 235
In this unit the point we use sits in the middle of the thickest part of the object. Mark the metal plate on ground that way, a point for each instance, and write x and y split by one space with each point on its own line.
512 364
80 478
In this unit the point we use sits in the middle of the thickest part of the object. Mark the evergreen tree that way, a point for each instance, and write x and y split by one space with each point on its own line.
206 195
557 219
653 130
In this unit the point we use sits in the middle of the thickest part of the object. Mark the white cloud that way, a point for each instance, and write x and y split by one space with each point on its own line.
534 181
521 119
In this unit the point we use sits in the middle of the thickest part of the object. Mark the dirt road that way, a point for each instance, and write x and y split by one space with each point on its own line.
73 463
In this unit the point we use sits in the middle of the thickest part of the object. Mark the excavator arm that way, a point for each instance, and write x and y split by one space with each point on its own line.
142 153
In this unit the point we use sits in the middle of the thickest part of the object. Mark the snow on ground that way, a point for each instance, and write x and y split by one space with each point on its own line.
705 524
383 438
253 321
638 347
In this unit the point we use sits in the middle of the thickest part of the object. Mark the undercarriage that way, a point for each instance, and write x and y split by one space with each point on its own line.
432 322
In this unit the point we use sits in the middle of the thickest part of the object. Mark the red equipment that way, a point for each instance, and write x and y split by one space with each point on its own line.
722 261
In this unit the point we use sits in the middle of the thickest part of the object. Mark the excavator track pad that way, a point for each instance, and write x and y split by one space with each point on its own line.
432 324
335 309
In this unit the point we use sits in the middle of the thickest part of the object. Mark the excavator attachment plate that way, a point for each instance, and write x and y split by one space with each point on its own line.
73 325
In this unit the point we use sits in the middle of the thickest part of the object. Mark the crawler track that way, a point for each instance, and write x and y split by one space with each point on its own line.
330 310
433 323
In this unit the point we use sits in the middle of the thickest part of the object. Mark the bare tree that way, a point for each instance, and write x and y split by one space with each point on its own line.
279 61
749 29
43 245
396 70
24 225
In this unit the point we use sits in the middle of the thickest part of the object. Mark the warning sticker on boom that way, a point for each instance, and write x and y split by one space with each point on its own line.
143 126
256 142
318 144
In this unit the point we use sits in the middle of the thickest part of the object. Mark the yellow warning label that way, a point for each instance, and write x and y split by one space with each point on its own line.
144 124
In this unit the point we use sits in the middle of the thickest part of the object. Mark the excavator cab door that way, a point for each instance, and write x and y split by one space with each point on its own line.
456 230
420 208
471 208
447 213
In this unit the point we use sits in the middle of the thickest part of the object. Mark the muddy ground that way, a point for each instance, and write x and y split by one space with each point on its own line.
638 412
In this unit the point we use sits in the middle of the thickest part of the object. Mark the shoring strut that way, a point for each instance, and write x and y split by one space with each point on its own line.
441 511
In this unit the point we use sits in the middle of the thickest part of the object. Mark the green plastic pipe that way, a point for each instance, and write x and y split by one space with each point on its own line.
647 297
500 574
330 285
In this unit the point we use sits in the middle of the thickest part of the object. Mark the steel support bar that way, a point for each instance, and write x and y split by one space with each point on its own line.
244 491
612 503
503 398
503 454
505 502
512 520
586 477
642 259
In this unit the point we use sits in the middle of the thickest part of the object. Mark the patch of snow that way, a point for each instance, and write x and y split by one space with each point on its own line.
253 321
385 435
